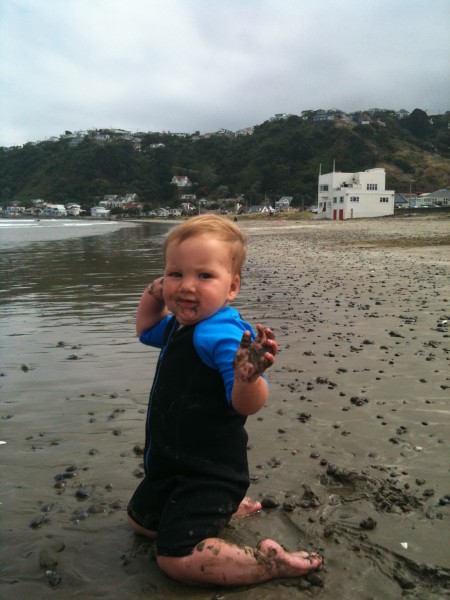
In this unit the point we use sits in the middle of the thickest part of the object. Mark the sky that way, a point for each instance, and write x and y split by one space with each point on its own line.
202 65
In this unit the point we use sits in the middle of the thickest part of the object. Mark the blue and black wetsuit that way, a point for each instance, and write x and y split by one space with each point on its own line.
196 470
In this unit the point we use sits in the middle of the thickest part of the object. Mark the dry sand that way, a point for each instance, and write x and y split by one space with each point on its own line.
350 455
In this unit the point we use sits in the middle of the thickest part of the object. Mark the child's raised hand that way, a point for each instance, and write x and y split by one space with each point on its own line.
156 289
253 358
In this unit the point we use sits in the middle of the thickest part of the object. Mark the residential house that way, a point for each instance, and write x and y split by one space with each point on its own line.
245 131
323 116
283 203
181 181
400 201
440 198
110 201
354 195
162 212
187 206
73 209
54 210
136 207
361 119
99 212
130 198
259 208
15 210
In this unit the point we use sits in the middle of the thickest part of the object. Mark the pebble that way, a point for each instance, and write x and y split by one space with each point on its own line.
368 523
269 502
304 417
82 493
53 578
38 521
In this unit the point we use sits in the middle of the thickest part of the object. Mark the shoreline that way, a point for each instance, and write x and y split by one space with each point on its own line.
351 450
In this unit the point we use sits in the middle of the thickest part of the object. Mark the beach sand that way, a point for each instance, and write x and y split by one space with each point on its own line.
350 454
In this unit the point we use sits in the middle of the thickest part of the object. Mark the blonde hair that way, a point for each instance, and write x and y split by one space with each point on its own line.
219 228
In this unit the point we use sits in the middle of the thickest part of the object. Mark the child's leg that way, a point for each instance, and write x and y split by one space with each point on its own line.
217 562
141 530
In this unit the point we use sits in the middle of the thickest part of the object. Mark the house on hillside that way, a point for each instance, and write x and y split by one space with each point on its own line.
354 195
181 181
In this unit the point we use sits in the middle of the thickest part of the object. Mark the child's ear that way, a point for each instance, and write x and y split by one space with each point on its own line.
235 286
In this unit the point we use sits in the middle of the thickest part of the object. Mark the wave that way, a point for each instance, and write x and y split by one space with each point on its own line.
22 223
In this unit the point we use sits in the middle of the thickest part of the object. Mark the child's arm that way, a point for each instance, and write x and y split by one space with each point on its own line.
250 392
151 308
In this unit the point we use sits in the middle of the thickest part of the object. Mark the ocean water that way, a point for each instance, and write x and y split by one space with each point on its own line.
76 283
16 232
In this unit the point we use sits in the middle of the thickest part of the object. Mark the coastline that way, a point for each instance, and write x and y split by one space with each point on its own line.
351 449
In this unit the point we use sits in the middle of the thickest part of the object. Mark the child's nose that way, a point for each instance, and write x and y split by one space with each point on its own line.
187 282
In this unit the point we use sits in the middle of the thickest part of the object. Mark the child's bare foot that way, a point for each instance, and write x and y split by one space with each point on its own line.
289 564
247 507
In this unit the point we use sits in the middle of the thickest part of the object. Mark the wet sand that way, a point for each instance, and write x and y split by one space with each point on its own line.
350 455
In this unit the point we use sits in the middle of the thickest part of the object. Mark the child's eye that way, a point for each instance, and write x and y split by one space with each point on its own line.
205 275
174 274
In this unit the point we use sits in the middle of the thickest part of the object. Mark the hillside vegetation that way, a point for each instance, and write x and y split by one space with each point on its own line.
282 157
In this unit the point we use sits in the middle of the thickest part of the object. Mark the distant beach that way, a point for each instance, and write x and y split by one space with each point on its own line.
350 455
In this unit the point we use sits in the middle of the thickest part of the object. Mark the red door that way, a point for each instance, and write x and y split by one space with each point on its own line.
341 214
334 214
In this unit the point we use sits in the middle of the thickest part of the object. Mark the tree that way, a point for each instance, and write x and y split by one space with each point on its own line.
418 123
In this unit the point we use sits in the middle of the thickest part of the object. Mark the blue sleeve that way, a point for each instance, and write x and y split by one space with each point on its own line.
217 339
155 335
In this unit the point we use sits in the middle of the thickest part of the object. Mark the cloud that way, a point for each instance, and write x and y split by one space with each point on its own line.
186 65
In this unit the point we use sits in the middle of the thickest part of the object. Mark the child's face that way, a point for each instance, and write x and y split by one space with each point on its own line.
198 278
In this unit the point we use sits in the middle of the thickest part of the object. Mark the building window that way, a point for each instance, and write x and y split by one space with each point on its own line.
384 199
372 186
323 188
354 198
335 200
341 199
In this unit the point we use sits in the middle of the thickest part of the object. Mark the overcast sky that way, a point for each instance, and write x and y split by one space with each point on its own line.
188 65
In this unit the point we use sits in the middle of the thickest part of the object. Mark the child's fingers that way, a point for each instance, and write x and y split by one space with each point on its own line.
246 339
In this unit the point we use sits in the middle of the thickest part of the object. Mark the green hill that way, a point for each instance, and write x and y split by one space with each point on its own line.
281 157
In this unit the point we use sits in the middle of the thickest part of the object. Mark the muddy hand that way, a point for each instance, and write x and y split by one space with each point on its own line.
156 289
253 358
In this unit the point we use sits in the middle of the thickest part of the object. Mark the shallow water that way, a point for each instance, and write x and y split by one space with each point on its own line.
88 281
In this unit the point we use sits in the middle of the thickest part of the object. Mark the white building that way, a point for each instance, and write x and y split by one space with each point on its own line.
283 203
437 198
99 212
54 210
181 181
354 195
73 209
